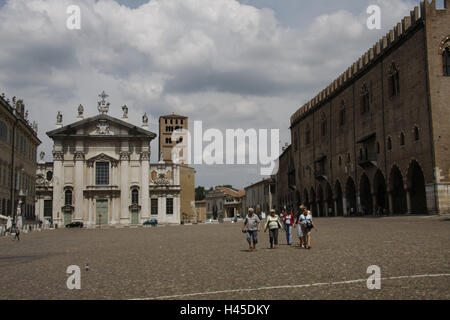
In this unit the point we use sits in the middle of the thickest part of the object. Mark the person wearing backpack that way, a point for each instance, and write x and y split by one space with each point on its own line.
273 224
288 221
307 224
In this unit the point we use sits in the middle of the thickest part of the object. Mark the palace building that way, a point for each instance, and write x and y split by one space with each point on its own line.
376 139
101 174
18 145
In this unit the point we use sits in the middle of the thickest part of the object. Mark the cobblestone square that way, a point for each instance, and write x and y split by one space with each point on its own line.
211 261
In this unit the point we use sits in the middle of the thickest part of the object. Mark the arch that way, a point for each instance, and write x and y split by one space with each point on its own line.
320 201
397 189
339 199
329 200
379 188
350 195
313 203
365 195
416 188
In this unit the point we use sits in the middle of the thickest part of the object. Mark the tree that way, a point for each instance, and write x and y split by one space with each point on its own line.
200 193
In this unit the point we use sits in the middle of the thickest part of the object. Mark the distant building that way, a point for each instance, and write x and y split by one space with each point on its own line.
286 193
18 145
376 139
222 203
260 196
101 174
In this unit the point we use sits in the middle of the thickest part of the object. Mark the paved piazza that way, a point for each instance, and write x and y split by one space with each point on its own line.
212 262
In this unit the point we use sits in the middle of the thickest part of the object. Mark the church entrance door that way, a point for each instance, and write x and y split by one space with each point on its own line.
134 216
67 217
101 213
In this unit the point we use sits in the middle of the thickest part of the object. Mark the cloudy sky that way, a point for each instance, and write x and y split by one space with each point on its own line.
231 64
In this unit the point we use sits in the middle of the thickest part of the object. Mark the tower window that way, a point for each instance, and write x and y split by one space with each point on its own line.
446 62
389 144
402 139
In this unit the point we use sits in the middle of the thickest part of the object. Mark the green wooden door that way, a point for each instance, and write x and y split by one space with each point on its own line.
101 212
67 217
134 216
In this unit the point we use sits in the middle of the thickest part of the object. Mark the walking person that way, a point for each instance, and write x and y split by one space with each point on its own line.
273 224
308 224
251 228
288 221
299 221
17 234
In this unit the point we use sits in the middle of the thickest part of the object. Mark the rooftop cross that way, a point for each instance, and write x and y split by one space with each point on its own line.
103 96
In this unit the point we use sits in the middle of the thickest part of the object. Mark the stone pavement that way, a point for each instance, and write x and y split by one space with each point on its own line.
212 262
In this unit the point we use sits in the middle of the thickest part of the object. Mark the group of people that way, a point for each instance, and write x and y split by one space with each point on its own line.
285 221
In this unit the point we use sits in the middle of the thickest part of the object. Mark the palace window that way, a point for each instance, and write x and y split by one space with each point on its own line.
365 99
402 139
3 131
342 115
446 62
295 141
154 207
394 81
169 205
308 135
68 198
134 196
49 175
416 134
389 144
378 148
102 173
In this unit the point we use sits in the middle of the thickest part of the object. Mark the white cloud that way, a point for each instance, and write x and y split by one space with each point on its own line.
223 62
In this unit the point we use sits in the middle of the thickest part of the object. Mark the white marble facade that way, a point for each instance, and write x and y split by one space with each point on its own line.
102 173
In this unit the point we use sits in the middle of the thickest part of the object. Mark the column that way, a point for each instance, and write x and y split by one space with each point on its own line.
124 188
91 221
358 205
391 204
408 201
375 204
58 182
335 207
145 158
344 206
78 185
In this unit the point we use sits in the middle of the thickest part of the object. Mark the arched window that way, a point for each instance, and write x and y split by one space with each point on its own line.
340 161
324 125
68 198
394 81
365 99
446 61
134 196
402 139
416 134
378 148
389 144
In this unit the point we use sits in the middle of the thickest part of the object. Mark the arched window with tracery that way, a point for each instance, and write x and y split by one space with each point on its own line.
394 81
444 49
365 99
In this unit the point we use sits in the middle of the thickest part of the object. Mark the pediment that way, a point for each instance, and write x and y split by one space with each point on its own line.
101 125
102 157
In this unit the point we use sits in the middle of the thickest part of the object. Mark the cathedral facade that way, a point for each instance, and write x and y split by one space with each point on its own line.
101 174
